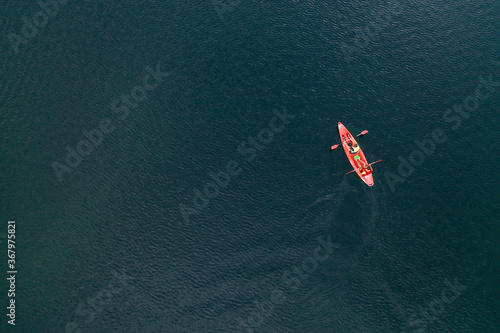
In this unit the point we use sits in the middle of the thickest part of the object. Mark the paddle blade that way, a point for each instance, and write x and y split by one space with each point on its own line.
375 162
334 147
362 133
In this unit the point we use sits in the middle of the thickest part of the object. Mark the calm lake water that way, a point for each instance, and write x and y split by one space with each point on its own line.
112 234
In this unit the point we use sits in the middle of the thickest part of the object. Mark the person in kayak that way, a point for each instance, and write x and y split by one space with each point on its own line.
366 170
353 149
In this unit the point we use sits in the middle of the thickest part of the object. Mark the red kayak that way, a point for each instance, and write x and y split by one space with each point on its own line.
355 155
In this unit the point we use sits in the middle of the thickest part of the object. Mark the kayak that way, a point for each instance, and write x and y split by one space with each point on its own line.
355 155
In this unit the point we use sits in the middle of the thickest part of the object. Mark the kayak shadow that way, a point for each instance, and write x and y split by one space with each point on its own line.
350 214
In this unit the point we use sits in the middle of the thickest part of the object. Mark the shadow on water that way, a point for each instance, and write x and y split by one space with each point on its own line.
350 214
349 288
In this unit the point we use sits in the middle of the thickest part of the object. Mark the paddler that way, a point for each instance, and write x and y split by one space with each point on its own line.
365 170
353 149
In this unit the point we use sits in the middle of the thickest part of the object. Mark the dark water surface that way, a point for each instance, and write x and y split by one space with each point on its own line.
107 249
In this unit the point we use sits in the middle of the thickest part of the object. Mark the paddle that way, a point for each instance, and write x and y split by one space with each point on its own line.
375 162
360 134
368 164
